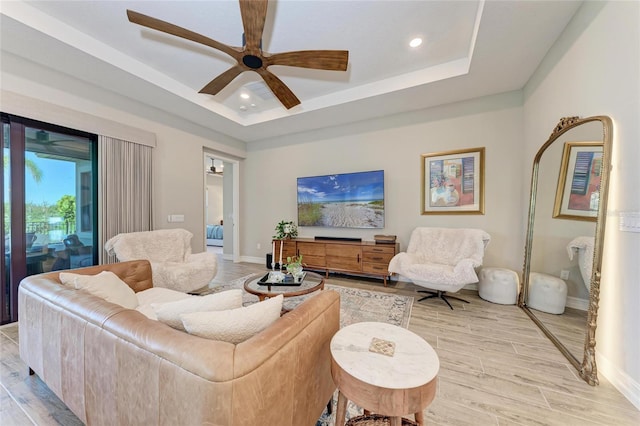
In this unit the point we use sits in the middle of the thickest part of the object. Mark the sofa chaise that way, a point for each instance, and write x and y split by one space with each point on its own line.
114 366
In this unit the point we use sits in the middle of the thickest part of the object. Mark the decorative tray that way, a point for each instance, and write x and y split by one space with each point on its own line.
288 280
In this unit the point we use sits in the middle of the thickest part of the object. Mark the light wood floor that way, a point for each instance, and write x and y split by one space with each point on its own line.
496 368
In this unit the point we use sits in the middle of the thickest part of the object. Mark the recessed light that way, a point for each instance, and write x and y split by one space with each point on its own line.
415 42
244 95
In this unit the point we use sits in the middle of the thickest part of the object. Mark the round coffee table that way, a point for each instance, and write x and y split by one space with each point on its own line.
310 283
391 385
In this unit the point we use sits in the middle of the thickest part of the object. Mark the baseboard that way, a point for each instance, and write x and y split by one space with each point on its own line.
619 379
227 257
252 259
473 286
577 303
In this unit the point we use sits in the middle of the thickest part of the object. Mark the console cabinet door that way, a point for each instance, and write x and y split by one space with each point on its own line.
344 257
288 250
313 254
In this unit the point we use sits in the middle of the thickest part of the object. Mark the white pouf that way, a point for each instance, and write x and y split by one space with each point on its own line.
547 293
498 285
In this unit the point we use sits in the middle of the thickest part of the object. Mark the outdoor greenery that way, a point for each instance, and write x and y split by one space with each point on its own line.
30 165
67 208
38 215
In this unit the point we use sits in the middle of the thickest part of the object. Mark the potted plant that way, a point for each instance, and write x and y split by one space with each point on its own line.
294 266
286 230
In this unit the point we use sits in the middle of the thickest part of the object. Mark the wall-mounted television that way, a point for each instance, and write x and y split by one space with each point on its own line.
346 200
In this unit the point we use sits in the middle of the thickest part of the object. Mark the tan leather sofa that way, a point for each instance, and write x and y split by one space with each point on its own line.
114 366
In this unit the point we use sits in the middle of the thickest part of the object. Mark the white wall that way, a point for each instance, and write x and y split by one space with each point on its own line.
395 144
594 69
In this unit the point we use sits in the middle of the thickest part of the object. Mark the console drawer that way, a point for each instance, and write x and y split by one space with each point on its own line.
389 249
375 268
376 257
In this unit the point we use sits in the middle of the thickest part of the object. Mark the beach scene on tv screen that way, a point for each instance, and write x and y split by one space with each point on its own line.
348 200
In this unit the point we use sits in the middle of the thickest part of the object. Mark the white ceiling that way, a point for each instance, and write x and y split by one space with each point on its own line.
470 49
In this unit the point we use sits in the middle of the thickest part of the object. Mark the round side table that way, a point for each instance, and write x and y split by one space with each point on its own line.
367 374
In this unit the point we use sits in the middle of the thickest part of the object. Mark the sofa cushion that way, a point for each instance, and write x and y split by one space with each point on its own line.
160 295
235 325
157 295
169 313
106 285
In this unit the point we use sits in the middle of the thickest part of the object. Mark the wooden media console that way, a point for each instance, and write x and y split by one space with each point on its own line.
349 257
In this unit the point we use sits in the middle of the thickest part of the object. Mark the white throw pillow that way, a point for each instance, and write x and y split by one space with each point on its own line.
105 285
157 295
160 295
169 313
235 325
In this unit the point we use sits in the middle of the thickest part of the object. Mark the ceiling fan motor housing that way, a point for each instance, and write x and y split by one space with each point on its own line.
252 61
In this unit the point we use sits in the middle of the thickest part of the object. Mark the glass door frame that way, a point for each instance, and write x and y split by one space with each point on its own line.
17 183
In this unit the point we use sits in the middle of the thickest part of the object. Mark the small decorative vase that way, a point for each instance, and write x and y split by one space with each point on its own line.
295 270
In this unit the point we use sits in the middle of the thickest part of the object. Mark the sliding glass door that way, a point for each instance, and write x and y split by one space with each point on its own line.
49 202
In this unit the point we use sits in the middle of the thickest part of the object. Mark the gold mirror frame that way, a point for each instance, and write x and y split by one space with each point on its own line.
587 368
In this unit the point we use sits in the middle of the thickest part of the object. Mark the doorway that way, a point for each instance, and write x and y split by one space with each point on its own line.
221 177
49 209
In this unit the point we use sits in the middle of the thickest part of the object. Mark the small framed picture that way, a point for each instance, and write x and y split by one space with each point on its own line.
453 182
578 191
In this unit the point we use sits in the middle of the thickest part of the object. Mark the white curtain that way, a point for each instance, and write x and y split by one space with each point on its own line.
124 190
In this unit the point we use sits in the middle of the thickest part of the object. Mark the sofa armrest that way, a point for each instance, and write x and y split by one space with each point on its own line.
288 366
323 308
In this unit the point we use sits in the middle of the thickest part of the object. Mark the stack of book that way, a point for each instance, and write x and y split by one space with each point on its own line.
384 239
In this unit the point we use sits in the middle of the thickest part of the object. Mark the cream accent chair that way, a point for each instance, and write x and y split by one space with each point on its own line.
583 246
169 252
442 259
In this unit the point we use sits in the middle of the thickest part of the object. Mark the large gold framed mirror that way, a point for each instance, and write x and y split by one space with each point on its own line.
565 235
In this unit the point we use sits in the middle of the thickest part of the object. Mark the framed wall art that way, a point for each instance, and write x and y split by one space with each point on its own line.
578 191
453 182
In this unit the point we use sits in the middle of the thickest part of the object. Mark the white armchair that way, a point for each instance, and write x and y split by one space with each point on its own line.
442 259
169 252
583 246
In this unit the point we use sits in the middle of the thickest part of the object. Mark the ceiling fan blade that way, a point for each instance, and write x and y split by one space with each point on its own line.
333 60
254 13
218 83
165 27
282 92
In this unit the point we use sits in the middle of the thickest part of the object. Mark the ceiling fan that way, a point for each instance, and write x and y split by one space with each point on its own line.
250 56
213 170
44 143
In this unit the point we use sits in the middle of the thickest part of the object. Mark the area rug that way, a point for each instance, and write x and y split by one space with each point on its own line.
356 305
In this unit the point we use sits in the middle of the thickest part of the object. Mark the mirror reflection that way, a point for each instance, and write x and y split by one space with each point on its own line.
562 240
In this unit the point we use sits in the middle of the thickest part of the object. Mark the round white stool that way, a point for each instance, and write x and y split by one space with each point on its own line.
498 285
547 293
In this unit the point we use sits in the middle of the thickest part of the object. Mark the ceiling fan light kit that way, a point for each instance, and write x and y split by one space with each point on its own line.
250 56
